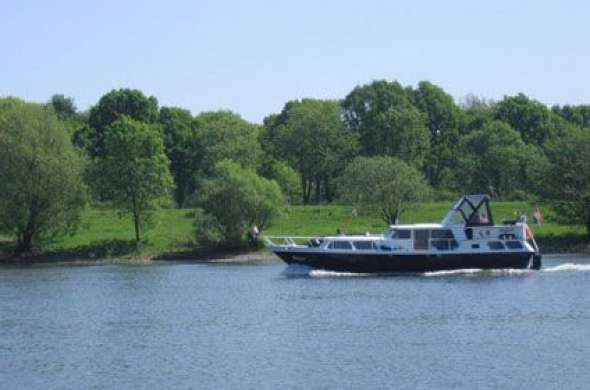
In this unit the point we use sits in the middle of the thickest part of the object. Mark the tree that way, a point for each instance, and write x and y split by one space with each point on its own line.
578 115
310 136
364 111
530 118
42 191
181 148
112 106
233 200
387 122
287 178
133 173
568 178
476 113
405 135
64 107
443 117
224 135
495 160
385 183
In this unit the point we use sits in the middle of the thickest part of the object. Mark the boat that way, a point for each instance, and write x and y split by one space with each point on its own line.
466 238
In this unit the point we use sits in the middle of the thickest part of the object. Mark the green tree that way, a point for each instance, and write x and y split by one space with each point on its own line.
41 186
385 183
386 121
577 115
63 106
405 135
568 178
365 111
181 148
530 118
133 173
443 117
495 160
311 137
287 178
476 112
112 106
233 200
224 135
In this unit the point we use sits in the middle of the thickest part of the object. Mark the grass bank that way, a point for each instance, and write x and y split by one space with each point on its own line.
104 234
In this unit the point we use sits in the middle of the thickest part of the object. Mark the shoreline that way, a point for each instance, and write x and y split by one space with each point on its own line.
214 257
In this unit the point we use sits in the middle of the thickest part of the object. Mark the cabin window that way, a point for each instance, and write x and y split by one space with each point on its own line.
442 233
402 234
444 244
364 245
495 245
513 245
342 245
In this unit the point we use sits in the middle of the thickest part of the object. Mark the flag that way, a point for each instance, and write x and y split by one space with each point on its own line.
537 216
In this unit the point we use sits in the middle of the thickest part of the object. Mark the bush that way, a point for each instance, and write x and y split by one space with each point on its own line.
234 200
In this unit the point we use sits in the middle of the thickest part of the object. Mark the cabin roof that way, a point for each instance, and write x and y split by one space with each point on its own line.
417 226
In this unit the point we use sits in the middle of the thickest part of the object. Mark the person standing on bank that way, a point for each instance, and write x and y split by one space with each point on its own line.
253 235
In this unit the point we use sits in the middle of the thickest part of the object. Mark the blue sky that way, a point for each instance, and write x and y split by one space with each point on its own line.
251 57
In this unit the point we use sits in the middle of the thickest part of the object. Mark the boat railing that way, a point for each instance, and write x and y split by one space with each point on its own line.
288 240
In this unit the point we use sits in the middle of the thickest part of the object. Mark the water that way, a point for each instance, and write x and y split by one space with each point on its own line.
267 327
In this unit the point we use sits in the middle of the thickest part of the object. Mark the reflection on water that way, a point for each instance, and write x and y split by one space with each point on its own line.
272 326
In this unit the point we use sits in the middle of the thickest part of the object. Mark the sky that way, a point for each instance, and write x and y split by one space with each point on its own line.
251 57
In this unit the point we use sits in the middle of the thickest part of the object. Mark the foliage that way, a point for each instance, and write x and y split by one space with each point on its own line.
311 137
387 122
42 190
577 115
287 178
530 118
495 160
443 117
134 171
112 106
365 112
224 135
233 200
568 178
385 183
181 148
64 107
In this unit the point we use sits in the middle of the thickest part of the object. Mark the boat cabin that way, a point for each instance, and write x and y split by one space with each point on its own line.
469 225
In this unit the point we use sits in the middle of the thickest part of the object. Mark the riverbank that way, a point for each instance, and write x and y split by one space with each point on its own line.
105 237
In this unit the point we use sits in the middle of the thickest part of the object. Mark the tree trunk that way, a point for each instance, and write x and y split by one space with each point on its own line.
304 192
136 224
24 243
328 190
25 237
318 190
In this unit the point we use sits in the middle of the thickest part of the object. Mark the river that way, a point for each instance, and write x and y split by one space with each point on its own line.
266 326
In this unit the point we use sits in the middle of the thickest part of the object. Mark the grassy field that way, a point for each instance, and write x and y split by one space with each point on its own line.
314 220
104 234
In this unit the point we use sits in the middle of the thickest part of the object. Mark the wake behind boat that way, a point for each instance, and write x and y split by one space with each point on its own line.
466 238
